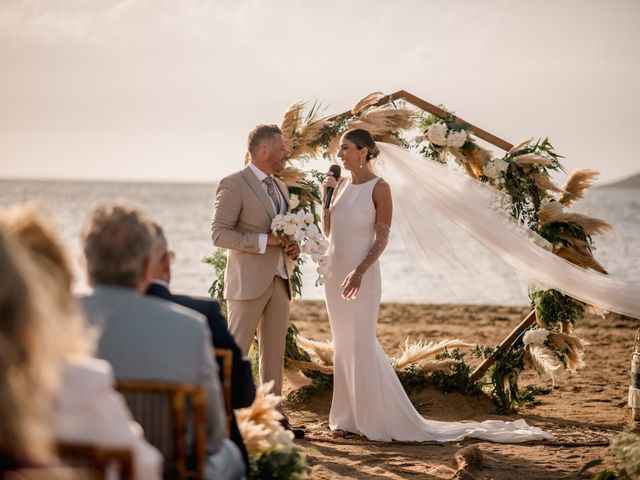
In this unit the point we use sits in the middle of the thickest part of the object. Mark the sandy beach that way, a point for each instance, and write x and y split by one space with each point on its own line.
583 411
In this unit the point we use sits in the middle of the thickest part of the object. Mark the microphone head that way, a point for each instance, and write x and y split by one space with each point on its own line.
335 170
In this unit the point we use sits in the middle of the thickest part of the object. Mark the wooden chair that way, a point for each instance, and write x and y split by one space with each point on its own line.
92 461
169 413
224 357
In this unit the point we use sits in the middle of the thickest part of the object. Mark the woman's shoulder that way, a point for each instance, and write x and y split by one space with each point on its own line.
87 373
381 186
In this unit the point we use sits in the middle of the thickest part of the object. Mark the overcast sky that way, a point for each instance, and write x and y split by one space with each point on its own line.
168 89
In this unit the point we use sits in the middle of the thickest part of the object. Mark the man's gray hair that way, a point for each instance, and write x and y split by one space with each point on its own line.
117 242
159 243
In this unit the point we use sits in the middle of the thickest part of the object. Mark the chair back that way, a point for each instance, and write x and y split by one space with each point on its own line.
94 461
173 417
224 357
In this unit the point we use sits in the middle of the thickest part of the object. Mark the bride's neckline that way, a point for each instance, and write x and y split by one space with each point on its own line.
363 183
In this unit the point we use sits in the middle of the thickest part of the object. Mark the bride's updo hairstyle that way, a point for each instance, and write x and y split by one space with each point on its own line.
361 138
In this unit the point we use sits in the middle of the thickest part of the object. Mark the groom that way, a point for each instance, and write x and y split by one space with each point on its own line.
259 264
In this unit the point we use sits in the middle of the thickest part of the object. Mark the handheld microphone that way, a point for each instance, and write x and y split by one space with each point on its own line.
335 171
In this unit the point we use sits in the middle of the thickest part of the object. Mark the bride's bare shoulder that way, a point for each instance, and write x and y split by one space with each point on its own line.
381 185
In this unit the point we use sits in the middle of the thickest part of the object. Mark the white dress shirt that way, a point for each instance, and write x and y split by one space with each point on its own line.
281 270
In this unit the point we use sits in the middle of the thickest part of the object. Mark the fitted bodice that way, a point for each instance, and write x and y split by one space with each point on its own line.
353 217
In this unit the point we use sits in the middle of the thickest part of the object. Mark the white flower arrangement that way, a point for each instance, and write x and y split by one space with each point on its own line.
495 168
294 201
456 139
437 134
300 225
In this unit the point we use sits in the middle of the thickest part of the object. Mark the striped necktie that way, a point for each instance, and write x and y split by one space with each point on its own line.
271 191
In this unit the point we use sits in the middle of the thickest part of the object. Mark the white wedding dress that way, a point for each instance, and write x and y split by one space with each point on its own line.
368 398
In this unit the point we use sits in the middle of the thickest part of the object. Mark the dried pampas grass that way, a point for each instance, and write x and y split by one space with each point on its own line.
389 119
584 260
419 351
292 177
520 146
366 102
444 365
544 182
302 365
542 359
260 425
324 350
290 123
571 346
296 378
309 133
532 159
553 212
577 184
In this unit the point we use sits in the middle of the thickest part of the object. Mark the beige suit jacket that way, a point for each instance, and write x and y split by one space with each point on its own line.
242 211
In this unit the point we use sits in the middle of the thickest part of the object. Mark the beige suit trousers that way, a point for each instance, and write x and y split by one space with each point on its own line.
268 314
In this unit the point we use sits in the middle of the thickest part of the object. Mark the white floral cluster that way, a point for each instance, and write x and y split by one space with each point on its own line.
301 227
495 168
439 134
535 337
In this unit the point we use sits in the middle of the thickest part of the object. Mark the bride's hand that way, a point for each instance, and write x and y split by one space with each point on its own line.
328 182
351 285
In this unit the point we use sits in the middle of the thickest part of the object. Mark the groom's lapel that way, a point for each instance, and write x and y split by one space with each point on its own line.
254 183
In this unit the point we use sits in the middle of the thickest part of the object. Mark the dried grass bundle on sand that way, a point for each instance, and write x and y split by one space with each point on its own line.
425 353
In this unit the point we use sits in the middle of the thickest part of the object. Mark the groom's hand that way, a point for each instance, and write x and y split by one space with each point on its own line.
291 247
273 240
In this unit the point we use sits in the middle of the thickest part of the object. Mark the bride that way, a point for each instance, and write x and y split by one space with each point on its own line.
368 398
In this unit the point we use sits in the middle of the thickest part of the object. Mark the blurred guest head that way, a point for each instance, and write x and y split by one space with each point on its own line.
31 354
161 257
33 228
117 245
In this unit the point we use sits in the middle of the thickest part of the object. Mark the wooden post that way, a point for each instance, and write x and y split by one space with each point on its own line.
440 113
504 345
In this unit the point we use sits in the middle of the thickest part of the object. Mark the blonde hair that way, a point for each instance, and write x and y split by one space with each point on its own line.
32 227
30 355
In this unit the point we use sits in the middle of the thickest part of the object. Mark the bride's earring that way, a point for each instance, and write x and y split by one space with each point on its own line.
361 162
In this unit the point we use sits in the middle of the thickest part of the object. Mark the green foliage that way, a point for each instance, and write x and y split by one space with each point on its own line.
552 232
607 475
413 377
552 307
218 260
524 193
330 131
528 394
458 379
279 464
504 375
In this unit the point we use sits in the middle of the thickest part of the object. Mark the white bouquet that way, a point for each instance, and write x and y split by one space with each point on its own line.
301 227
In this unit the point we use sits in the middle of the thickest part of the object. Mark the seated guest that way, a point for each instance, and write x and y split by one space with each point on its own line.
30 359
145 338
87 409
243 389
